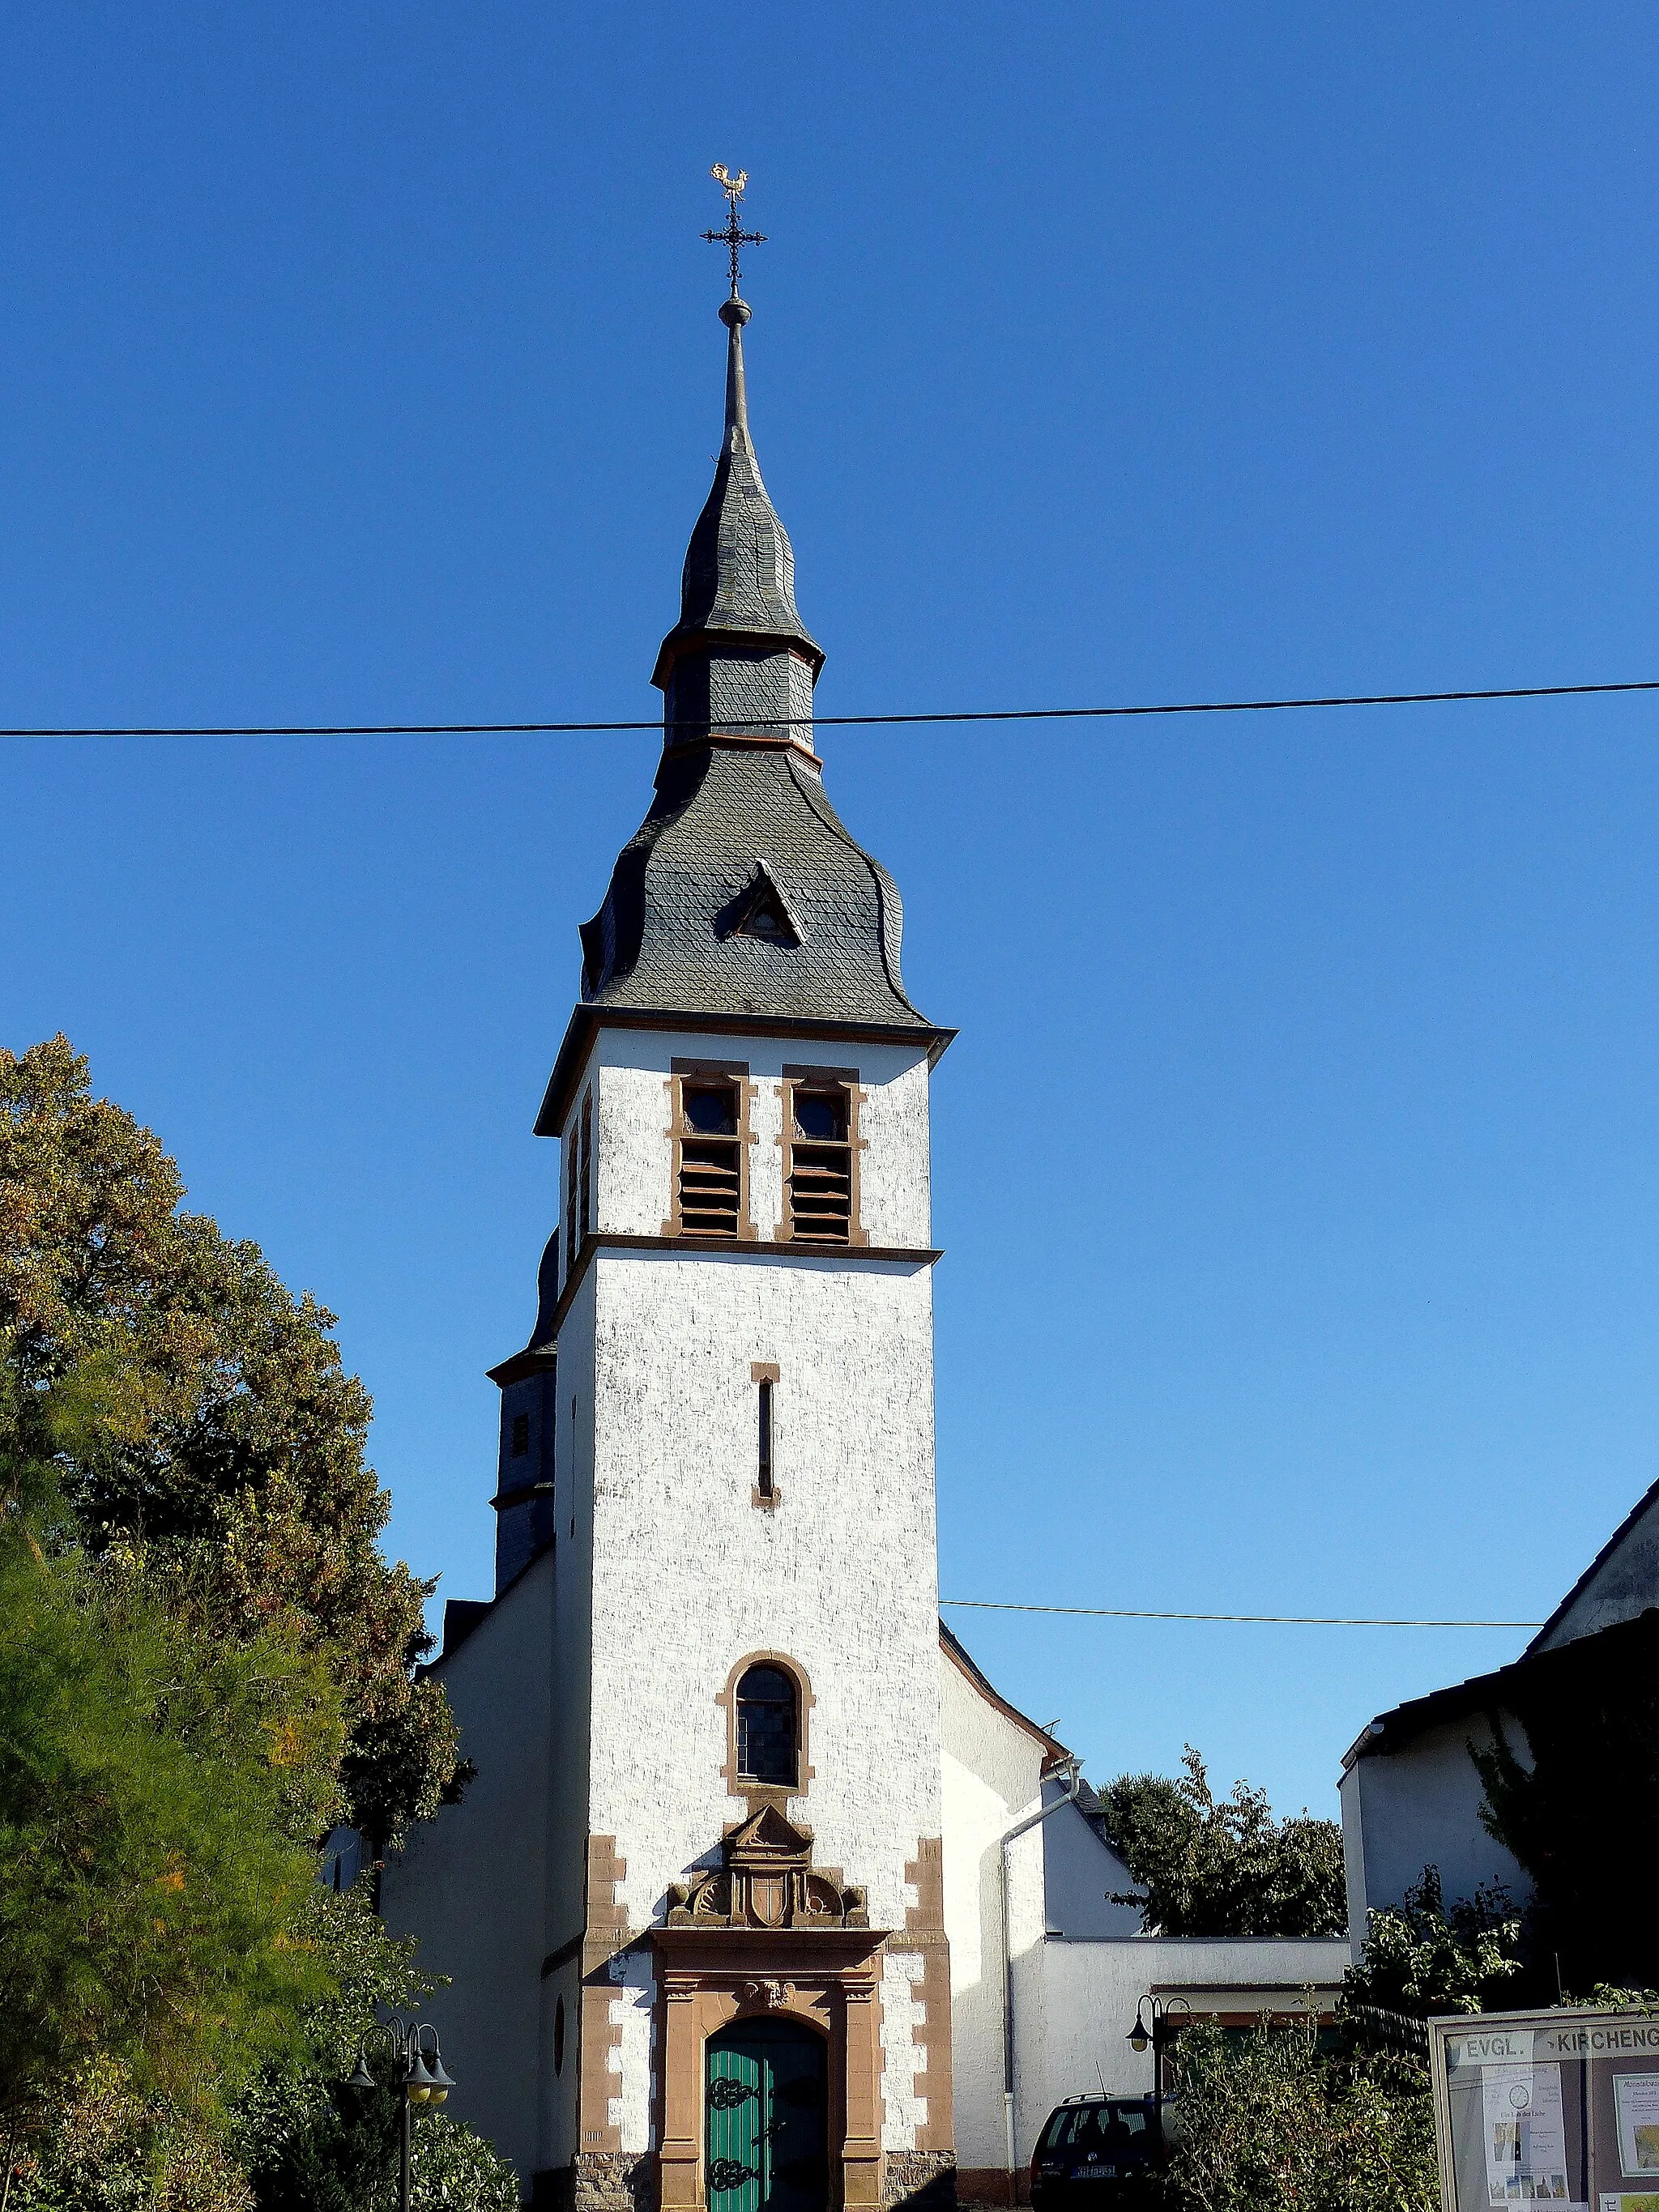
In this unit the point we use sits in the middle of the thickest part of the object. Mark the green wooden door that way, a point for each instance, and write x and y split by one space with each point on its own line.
767 2099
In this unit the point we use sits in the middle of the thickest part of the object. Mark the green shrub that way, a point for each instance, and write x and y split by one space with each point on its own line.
1268 2123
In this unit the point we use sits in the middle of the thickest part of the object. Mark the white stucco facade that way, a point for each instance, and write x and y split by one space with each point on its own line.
1418 1807
595 1698
689 1578
1412 1794
1081 1964
1084 1996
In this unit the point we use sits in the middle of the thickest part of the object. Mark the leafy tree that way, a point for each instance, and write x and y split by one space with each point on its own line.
295 2138
204 1663
156 1792
99 2145
194 1415
1223 1867
311 2144
1574 1816
1423 1958
1267 2123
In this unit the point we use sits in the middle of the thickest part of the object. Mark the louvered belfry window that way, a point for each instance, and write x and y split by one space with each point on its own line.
820 1165
711 1158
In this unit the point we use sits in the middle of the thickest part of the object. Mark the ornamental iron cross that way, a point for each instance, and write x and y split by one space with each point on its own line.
733 237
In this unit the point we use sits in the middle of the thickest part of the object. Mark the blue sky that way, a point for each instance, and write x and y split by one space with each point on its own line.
1295 1165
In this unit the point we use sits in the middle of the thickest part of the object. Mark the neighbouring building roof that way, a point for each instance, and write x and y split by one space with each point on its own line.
1621 1581
1495 1693
1620 1585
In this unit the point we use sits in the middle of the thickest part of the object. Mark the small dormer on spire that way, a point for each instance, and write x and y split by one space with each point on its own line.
739 663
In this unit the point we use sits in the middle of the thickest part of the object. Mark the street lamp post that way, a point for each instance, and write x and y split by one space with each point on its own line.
1160 2035
411 2047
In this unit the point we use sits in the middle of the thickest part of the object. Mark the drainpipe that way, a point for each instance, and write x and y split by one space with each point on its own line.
1069 1773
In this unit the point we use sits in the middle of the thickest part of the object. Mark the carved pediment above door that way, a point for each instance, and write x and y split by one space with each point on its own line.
766 1879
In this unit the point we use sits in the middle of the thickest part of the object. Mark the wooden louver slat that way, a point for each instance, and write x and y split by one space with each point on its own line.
709 1188
821 1193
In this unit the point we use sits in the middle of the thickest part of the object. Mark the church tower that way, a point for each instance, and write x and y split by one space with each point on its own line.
693 1903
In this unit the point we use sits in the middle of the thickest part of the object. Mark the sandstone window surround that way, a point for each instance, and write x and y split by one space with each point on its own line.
709 1132
821 1148
765 1375
756 1792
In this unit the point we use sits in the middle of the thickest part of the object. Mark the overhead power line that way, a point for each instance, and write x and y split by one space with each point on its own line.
1271 1620
831 722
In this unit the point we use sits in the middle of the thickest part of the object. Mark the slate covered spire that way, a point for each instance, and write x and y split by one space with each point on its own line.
742 893
739 660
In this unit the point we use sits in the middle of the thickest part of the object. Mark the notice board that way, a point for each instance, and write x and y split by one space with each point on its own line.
1548 2109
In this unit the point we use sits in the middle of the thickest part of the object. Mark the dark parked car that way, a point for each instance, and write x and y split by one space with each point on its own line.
1096 2150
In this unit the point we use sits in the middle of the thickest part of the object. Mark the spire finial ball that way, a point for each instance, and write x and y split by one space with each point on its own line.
735 312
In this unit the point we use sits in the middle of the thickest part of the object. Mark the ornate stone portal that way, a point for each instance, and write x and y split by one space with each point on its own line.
767 1934
767 1880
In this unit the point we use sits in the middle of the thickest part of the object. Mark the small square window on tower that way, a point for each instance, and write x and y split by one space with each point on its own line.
709 1138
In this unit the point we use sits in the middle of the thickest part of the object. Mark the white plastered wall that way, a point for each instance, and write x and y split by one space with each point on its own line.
1623 1583
471 1884
572 1694
1419 1807
993 1775
1085 1997
629 1074
689 1577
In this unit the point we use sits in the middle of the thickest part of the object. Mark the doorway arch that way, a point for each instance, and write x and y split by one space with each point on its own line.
766 2099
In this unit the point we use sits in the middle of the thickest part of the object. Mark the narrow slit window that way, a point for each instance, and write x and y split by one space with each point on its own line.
570 1201
521 1435
763 1471
711 1159
820 1166
585 1170
768 1728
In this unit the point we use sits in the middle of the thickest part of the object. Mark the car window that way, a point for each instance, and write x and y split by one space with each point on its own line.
1110 2127
1063 2128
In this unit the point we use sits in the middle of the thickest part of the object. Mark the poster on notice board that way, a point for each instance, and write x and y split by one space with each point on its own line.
1557 2108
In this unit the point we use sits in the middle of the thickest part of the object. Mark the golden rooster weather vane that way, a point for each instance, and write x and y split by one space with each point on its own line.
733 237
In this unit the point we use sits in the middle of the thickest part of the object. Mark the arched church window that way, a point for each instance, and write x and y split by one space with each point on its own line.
767 1726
